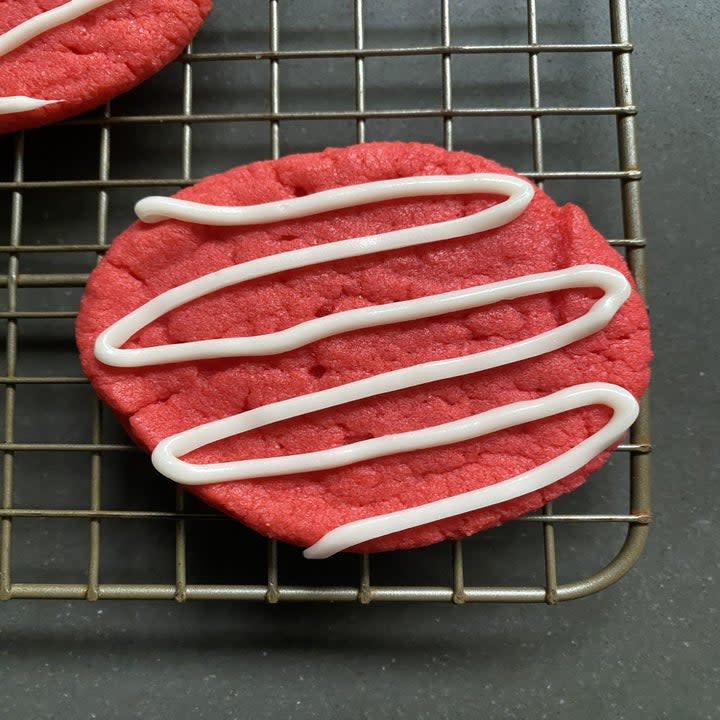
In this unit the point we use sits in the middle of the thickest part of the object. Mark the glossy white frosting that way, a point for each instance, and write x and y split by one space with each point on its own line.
22 103
168 453
154 209
624 411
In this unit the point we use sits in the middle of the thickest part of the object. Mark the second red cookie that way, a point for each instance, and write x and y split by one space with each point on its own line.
59 58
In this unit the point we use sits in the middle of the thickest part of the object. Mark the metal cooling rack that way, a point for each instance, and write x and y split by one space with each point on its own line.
77 572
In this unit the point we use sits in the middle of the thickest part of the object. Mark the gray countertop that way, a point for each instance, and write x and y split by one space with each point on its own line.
646 646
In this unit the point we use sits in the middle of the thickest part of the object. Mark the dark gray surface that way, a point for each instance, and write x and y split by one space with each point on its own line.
643 648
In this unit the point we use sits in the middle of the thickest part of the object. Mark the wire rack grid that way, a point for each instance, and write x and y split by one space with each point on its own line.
23 277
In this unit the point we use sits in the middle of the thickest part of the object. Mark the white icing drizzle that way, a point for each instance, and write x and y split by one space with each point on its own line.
153 209
518 193
22 103
37 25
619 400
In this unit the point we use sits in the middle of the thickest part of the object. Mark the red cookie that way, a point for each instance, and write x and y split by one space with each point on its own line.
158 401
59 58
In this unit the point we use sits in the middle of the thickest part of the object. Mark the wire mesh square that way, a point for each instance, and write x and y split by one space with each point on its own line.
82 513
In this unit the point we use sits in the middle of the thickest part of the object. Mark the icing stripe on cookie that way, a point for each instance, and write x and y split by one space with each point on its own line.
22 103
